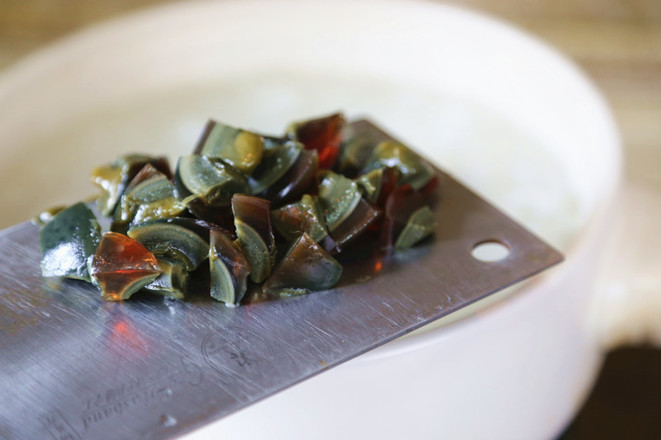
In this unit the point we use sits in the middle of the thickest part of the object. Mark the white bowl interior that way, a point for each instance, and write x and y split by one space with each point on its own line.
501 111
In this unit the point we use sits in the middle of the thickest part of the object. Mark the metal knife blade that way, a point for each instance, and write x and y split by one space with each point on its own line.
72 366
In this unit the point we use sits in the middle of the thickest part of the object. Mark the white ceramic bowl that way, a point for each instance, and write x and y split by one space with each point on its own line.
500 110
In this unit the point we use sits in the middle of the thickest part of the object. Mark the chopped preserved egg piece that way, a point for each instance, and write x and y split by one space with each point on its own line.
356 148
413 169
145 173
254 234
339 197
150 199
306 267
370 184
401 204
276 162
47 215
239 148
229 270
323 135
296 181
121 266
358 222
169 238
113 178
172 280
303 216
420 225
229 184
208 179
67 242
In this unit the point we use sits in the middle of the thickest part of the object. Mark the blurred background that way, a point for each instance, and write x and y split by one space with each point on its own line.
617 42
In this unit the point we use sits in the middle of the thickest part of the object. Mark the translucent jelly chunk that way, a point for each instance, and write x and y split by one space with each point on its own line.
323 135
113 178
359 221
296 181
399 206
121 266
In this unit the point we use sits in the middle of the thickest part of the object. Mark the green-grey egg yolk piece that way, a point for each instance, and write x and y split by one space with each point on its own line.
413 169
241 149
356 148
370 184
68 241
172 280
275 163
114 178
229 270
339 197
209 179
420 225
167 239
254 233
151 199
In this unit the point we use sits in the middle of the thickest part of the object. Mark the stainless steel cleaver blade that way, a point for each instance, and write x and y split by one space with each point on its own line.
73 367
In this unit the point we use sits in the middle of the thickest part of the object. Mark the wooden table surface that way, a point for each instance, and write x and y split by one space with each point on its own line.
617 42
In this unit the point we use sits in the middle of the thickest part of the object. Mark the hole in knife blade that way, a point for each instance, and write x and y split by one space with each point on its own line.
490 251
